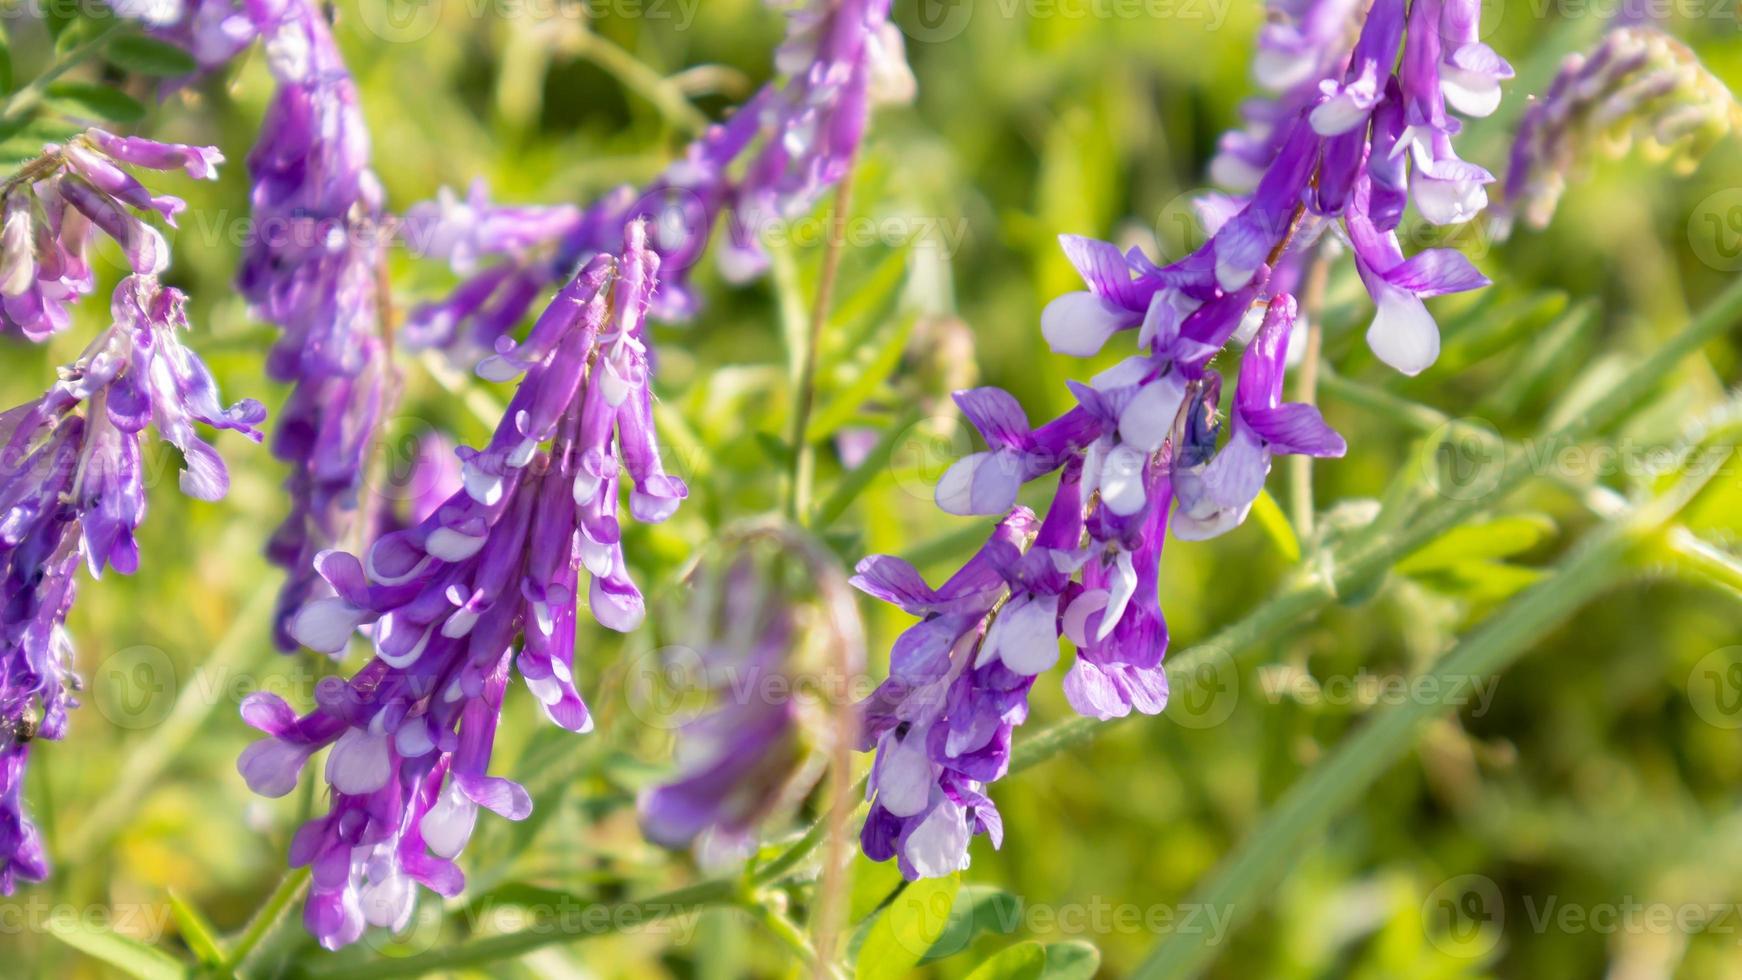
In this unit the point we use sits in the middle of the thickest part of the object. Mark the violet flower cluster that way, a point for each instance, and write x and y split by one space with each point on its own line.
312 268
772 638
51 208
1637 85
738 760
1143 451
489 579
74 490
770 161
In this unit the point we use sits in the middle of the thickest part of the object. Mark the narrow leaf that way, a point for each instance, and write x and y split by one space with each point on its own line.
1502 537
197 931
148 56
127 955
1276 525
95 101
1072 960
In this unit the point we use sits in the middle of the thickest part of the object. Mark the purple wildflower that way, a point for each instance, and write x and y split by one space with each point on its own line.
490 578
74 490
212 31
313 270
1351 139
1637 84
52 205
770 161
777 617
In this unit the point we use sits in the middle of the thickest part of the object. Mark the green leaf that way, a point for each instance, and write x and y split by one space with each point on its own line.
856 480
1023 961
197 931
96 101
147 56
127 955
1072 960
1276 525
873 882
846 403
5 64
908 927
1501 537
977 909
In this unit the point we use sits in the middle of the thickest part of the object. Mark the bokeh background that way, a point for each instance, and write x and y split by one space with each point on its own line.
1594 776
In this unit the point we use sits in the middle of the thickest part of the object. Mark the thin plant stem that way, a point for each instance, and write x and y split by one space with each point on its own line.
491 949
289 889
804 388
787 931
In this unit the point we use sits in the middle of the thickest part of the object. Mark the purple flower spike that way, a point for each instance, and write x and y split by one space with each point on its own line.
756 636
1638 84
487 581
770 161
1353 134
74 490
313 270
50 210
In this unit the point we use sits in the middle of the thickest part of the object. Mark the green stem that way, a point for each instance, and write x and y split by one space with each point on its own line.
783 929
665 95
1701 561
1239 887
289 889
804 390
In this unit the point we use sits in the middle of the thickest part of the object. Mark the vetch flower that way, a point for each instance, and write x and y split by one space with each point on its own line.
312 269
49 209
776 639
1638 85
487 582
1354 136
771 160
74 490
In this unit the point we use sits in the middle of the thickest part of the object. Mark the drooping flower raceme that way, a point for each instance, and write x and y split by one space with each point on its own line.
488 580
74 489
51 207
1143 451
773 638
312 269
770 161
1638 85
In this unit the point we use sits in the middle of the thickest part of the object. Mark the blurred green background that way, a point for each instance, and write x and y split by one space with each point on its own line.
1592 779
